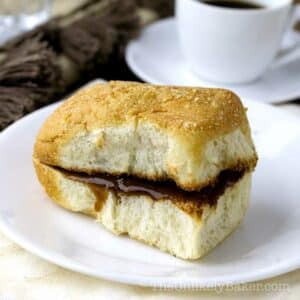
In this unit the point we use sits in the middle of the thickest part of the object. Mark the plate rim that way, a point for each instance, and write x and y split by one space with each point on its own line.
140 73
160 282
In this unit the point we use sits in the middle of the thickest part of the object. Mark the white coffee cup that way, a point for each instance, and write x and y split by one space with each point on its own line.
232 45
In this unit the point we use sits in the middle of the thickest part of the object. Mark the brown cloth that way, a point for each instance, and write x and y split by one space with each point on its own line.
40 66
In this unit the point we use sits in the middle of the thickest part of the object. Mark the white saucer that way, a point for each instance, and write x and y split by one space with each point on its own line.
265 245
156 58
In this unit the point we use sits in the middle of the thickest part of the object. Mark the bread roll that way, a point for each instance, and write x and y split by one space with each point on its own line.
188 135
169 166
187 234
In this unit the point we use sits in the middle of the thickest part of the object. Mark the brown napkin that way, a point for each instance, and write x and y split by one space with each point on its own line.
42 65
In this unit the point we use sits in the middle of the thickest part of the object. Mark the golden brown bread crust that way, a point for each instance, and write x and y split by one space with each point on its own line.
194 115
208 112
50 180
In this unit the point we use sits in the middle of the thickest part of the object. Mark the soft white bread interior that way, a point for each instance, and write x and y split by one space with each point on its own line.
159 223
188 135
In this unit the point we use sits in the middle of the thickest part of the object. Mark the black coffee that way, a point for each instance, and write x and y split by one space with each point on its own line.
234 4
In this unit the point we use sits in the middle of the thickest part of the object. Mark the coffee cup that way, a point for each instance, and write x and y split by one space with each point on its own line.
233 44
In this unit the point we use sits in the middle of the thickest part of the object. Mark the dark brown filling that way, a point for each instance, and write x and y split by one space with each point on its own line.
129 185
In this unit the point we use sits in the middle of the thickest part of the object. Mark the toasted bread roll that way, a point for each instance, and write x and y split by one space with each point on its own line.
188 135
170 166
185 233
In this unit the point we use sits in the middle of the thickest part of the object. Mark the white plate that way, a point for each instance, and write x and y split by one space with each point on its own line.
155 57
265 245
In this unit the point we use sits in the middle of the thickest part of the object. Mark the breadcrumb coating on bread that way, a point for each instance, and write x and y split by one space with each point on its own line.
183 120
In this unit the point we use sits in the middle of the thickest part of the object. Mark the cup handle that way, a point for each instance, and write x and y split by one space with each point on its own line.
290 54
